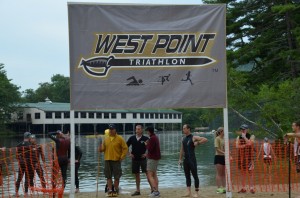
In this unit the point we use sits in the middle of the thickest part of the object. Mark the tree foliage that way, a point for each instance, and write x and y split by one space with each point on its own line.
57 90
9 96
263 57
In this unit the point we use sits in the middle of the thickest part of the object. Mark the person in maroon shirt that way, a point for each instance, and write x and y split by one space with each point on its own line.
153 156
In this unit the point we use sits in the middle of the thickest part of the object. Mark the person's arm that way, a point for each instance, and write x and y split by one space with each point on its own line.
199 140
261 148
52 135
180 154
272 151
41 152
124 149
128 145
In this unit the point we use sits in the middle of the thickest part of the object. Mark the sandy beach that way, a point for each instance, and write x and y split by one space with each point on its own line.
205 192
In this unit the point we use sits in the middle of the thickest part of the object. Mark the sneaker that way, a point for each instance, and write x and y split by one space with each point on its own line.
224 190
114 194
155 194
136 193
110 193
252 191
77 190
242 191
220 190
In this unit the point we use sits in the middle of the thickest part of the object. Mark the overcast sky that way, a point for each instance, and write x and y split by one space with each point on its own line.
34 43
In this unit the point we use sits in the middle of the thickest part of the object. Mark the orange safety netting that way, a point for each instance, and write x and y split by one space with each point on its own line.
266 173
32 167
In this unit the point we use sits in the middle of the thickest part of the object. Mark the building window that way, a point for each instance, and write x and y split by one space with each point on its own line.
91 115
66 114
48 115
28 117
134 115
156 116
37 116
161 116
142 115
175 116
147 115
113 116
123 115
170 115
179 116
57 114
76 114
82 114
20 115
166 116
106 115
98 115
151 115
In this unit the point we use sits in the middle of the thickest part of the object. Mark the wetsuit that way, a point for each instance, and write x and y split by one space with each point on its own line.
37 151
245 155
189 162
78 155
26 165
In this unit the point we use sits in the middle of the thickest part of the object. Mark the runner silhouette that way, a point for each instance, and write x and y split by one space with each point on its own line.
188 77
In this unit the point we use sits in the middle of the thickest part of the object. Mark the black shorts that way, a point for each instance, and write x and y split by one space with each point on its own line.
138 165
219 159
268 160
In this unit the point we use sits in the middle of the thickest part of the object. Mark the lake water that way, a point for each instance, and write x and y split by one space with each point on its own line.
169 174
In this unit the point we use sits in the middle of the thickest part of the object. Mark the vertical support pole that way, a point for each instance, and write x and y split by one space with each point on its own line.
72 161
227 159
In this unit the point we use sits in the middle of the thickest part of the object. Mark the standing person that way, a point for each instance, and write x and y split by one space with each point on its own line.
138 155
23 154
187 149
78 155
153 156
245 144
37 153
115 150
220 160
296 130
267 150
2 149
62 143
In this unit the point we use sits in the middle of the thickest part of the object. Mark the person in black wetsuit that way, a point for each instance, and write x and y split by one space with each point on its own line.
23 154
37 153
188 144
62 150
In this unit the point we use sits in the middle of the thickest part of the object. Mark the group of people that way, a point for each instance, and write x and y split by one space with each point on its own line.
145 155
30 156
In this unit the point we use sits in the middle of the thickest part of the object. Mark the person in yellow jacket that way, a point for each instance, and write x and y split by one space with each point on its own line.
115 150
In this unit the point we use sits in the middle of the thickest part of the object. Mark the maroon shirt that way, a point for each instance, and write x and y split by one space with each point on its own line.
153 148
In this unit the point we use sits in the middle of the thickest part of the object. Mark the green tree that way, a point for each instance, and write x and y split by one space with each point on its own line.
263 39
9 96
58 90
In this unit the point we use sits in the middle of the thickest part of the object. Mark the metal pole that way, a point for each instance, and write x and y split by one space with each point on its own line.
289 148
227 160
72 161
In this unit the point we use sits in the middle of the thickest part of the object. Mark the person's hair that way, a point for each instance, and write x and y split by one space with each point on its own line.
297 123
150 129
187 126
140 125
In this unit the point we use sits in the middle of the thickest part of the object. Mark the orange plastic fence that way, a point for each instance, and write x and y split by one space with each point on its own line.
35 167
251 168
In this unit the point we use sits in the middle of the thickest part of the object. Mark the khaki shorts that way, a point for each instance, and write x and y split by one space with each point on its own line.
152 165
112 168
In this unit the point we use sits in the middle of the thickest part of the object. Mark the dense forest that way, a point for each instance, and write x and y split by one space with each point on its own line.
263 65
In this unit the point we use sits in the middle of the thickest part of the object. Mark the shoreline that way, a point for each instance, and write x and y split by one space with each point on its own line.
205 192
